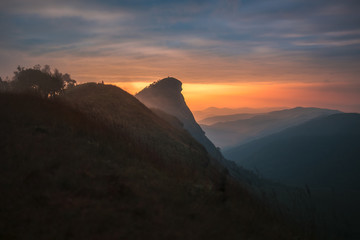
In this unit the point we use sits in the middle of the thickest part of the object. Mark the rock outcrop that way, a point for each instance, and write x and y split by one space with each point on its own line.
166 96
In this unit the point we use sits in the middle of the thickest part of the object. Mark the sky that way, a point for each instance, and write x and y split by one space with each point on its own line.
227 53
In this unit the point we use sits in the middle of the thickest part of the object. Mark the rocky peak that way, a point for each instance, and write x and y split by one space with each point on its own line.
166 95
168 89
167 84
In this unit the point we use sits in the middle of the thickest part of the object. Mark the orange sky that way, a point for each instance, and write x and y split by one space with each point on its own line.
227 54
263 94
212 81
266 79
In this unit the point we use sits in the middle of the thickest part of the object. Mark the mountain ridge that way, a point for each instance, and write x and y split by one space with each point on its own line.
316 140
321 156
216 111
233 133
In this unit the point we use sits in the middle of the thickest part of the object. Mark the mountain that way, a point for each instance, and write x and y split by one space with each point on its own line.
323 152
97 164
321 155
214 111
165 95
165 100
227 118
234 133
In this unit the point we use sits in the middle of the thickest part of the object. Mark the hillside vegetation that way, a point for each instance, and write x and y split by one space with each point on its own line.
97 164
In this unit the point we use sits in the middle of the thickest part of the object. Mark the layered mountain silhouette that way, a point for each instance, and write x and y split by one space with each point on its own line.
165 95
215 111
228 118
323 153
229 134
164 98
96 163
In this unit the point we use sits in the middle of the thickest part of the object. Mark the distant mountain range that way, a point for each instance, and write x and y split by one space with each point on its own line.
214 111
227 134
228 118
321 153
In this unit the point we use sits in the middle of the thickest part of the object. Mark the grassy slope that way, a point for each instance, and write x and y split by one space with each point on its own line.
108 168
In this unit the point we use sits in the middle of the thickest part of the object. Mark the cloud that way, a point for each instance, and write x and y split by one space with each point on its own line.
329 43
64 9
202 40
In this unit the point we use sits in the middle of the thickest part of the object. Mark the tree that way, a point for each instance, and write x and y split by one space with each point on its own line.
42 82
37 67
69 83
4 85
46 69
1 84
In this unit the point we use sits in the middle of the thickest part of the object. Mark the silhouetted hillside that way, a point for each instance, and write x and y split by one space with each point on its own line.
100 165
165 99
234 133
166 95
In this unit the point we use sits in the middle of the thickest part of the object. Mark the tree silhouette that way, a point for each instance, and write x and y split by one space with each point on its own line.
42 82
4 85
69 83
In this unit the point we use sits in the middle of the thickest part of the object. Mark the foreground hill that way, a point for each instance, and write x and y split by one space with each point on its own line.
100 165
233 133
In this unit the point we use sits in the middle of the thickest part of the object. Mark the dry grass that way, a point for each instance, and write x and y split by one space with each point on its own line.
108 168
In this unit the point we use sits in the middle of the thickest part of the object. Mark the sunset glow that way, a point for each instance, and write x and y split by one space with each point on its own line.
180 119
266 94
226 53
